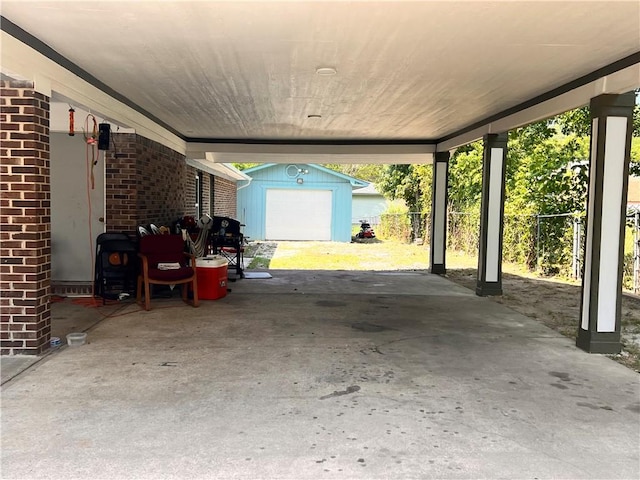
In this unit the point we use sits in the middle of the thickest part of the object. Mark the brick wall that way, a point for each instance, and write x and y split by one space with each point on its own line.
146 182
206 193
149 183
121 185
165 183
224 198
189 188
25 220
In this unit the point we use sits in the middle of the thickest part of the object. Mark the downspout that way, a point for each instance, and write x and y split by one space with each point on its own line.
245 186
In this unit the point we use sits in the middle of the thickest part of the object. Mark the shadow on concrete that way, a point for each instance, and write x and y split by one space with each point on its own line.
320 374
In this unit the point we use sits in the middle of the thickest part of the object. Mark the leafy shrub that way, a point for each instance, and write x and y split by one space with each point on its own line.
395 223
464 231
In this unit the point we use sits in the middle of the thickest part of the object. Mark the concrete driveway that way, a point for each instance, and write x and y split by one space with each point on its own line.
323 375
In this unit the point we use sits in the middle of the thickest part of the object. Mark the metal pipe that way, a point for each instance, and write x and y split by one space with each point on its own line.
636 253
538 242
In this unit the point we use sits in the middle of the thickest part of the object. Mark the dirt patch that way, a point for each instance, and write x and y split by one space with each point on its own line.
259 254
260 249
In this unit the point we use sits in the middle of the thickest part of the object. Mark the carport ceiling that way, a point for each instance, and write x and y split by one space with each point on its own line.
415 71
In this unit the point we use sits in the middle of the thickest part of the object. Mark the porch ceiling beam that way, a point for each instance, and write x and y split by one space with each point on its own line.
376 153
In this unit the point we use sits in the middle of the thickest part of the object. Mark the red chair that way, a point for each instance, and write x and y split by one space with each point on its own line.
155 250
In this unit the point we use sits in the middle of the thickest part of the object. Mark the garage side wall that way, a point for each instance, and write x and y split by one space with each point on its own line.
368 208
252 200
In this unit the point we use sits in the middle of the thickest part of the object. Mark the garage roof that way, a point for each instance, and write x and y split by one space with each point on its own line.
302 168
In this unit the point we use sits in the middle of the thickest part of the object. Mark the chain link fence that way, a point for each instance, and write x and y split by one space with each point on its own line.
549 244
632 255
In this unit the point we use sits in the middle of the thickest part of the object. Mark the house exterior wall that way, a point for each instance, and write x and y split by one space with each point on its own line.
166 186
148 183
206 193
189 193
252 198
77 207
144 182
25 220
225 198
121 185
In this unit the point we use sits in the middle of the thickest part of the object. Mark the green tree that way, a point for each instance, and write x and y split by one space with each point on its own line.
578 123
411 183
465 177
245 166
368 172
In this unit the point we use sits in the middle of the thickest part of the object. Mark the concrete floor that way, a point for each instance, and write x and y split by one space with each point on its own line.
314 375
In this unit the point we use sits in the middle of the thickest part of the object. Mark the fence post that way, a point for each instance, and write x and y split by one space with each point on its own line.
636 254
577 237
537 242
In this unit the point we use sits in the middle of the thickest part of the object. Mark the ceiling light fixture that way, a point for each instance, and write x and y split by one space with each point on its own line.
326 71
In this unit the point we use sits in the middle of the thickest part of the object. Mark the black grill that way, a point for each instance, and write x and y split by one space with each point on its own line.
115 266
225 238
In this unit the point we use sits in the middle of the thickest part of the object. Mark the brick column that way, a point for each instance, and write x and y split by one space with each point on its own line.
121 185
25 220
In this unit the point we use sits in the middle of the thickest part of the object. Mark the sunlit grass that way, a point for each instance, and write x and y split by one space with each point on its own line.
375 255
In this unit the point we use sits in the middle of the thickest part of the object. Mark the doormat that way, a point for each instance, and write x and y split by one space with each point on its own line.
254 275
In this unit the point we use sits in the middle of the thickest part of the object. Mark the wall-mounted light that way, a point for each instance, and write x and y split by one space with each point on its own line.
299 181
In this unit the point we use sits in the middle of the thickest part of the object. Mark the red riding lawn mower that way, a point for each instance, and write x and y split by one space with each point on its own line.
365 230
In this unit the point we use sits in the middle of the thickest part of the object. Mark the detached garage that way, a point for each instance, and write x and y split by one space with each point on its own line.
296 202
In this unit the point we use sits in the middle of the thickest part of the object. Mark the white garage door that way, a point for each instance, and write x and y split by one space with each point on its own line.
298 215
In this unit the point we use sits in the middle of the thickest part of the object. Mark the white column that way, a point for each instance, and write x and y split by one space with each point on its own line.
439 213
611 130
489 281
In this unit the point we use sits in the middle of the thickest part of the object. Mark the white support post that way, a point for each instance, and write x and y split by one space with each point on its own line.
489 280
439 213
611 130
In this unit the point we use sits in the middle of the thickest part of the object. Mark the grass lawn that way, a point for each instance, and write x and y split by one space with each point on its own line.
370 255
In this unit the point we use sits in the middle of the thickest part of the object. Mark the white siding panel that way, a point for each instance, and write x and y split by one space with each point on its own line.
440 212
611 217
493 217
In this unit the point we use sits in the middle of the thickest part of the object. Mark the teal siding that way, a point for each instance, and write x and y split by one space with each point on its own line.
252 198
